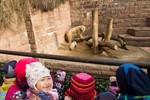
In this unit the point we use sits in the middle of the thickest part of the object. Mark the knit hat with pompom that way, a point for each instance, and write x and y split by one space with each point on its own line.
34 72
21 66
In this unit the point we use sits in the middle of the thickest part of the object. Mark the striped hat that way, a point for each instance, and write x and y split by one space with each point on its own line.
82 87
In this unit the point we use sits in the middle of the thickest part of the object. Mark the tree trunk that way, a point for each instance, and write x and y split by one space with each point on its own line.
95 30
109 45
29 28
103 44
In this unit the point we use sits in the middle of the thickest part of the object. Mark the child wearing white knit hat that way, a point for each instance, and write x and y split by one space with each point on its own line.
40 82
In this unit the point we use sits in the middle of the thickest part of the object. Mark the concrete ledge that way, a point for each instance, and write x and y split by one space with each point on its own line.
96 69
139 31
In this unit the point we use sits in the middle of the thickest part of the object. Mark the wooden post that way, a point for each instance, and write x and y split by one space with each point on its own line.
95 30
109 30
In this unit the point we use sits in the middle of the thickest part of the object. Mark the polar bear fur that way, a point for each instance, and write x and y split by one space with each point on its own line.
78 30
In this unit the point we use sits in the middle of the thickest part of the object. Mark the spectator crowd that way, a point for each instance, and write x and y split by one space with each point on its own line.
29 79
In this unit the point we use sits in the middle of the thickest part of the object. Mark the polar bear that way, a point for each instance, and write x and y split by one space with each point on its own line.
78 30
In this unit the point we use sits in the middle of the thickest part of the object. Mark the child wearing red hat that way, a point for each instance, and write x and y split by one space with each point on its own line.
20 85
82 87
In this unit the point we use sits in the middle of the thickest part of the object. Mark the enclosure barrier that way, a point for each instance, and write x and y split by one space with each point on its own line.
78 59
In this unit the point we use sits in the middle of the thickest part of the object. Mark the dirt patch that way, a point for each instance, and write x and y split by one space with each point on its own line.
82 50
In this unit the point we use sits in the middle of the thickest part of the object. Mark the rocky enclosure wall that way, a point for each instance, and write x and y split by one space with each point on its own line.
49 29
126 13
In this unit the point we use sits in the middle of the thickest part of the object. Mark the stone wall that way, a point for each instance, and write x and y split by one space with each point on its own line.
94 69
49 29
126 13
81 11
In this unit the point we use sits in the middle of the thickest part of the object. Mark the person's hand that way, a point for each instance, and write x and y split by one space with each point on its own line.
67 98
112 78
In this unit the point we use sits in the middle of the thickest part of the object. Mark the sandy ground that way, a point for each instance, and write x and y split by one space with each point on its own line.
82 50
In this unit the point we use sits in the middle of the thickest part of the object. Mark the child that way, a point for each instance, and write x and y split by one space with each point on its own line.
20 85
114 86
106 96
40 82
82 87
113 90
59 83
9 78
133 82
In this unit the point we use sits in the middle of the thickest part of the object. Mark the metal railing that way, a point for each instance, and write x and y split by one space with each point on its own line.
141 64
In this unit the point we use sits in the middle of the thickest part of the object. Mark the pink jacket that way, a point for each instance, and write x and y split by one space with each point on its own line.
11 91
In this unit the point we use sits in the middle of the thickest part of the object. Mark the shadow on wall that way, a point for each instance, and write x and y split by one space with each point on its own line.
56 38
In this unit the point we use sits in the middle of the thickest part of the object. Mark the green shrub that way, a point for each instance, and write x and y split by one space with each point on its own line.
9 8
46 5
101 83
